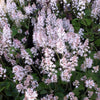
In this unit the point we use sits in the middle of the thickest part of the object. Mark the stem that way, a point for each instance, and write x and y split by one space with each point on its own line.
36 71
55 86
3 94
9 79
1 61
57 54
85 91
70 86
66 86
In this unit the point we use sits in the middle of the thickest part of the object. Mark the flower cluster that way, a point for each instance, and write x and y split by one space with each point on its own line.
48 60
26 56
97 55
19 73
15 14
6 37
76 83
89 83
87 64
81 33
95 69
80 5
24 78
95 9
2 72
30 94
50 97
3 19
28 9
70 96
52 3
54 28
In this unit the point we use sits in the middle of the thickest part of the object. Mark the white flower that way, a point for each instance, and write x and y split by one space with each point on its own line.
88 62
17 68
89 83
60 46
28 9
30 94
19 87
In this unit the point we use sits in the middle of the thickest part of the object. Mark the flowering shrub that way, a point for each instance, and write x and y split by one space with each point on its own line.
45 55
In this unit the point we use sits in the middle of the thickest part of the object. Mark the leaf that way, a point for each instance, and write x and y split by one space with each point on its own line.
60 95
19 98
88 12
83 22
43 92
14 31
76 91
25 23
29 52
35 76
2 89
97 42
1 97
11 91
4 85
41 86
88 21
76 24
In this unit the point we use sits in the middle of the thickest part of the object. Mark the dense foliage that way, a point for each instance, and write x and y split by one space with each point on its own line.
49 49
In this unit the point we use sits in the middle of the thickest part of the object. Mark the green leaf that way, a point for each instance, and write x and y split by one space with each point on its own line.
41 86
29 52
35 76
1 97
1 89
60 95
83 22
11 91
14 31
88 21
88 12
97 42
19 98
4 85
76 24
43 92
76 91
